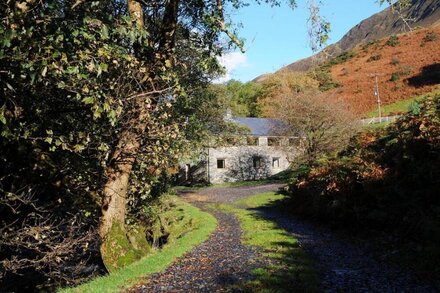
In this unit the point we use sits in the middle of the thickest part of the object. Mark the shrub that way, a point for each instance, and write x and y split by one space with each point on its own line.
344 57
395 60
397 87
374 58
386 179
406 70
324 78
395 76
366 46
393 41
430 37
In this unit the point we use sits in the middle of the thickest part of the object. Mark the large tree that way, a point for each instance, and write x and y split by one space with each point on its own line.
93 89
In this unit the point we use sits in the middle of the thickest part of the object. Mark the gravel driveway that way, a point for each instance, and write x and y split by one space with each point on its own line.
218 263
346 265
221 261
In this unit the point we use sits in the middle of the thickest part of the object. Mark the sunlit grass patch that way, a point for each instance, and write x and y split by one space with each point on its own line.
289 268
400 107
193 230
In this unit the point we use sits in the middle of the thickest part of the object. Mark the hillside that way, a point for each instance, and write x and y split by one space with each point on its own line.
407 65
425 13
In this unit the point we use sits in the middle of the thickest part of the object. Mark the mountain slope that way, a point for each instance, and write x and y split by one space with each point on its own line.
425 13
407 65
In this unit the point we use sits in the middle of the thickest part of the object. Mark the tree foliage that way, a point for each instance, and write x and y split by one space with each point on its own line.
325 127
387 180
277 87
241 98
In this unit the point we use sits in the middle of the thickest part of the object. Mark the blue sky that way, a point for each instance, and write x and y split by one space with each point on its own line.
278 36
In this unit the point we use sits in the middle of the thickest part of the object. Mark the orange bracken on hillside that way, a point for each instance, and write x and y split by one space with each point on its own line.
407 66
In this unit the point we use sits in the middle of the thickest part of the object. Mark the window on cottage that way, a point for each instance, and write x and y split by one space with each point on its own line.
275 162
220 163
257 162
273 141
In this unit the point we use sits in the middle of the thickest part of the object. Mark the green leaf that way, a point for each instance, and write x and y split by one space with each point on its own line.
104 32
112 117
88 100
10 87
44 71
97 113
104 67
71 70
61 84
2 114
33 75
78 148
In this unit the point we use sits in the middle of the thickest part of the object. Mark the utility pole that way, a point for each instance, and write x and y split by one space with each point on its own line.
377 95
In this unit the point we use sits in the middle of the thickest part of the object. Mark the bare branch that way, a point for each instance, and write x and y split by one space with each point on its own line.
224 28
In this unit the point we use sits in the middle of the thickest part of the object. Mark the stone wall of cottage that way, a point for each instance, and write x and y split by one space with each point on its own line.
238 163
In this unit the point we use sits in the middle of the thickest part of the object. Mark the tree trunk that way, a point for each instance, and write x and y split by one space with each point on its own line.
115 189
115 244
114 201
113 207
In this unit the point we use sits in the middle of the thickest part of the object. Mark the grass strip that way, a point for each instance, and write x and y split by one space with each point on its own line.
203 224
399 107
402 106
290 269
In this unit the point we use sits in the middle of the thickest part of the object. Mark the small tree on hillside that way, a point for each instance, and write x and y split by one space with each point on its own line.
277 86
324 126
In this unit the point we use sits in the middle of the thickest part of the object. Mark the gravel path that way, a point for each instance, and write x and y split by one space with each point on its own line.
227 194
346 265
218 263
221 261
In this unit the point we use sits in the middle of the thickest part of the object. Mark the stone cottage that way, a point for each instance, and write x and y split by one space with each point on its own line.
263 152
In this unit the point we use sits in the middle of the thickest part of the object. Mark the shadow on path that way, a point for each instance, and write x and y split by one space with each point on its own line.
344 264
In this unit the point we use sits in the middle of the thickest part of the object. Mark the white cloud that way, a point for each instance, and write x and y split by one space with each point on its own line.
231 61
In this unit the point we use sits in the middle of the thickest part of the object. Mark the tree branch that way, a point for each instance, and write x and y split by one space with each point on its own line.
224 29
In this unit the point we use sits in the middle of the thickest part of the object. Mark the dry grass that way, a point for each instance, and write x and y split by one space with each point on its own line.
408 58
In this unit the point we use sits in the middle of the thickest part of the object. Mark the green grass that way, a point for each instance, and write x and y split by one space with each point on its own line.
281 177
291 270
401 107
202 225
244 183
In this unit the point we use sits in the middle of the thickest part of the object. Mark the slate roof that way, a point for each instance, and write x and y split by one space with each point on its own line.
262 126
